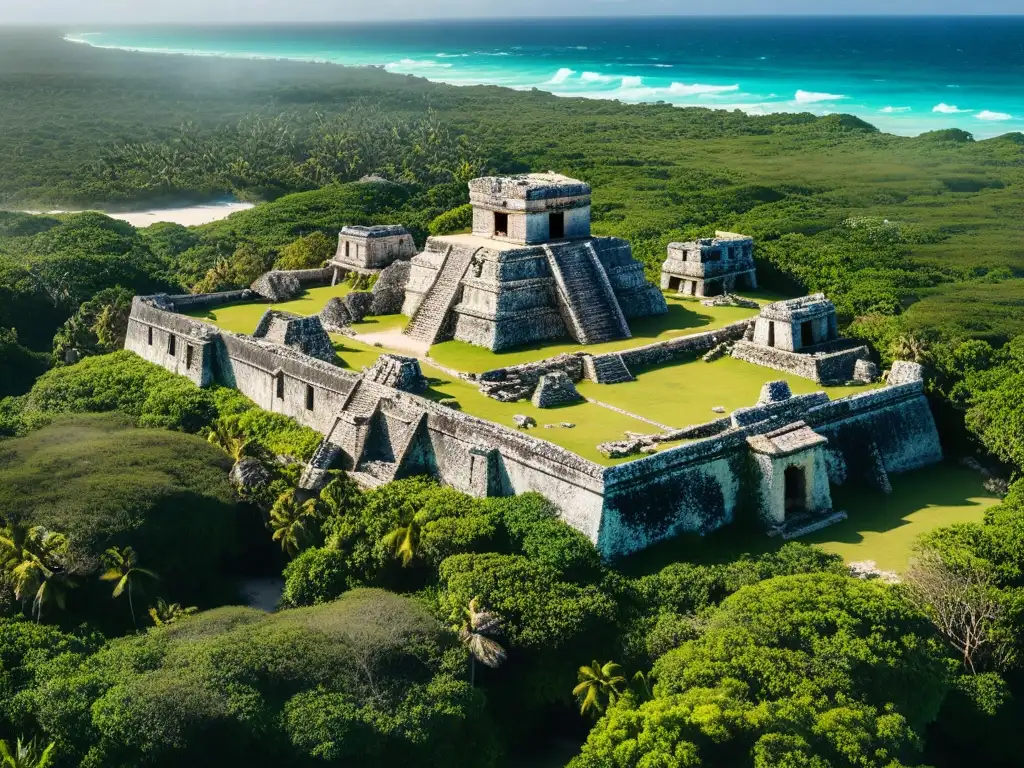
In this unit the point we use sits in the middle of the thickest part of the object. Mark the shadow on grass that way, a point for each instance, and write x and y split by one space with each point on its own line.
935 496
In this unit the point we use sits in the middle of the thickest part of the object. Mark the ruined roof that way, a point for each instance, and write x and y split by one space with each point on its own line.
786 441
529 186
374 230
798 310
719 240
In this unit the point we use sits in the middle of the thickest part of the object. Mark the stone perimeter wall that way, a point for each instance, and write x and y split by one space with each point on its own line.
692 488
833 366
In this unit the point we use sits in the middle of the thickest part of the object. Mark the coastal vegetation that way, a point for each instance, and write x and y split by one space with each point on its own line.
418 625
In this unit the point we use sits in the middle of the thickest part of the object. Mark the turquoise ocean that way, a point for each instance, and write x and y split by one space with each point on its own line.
904 75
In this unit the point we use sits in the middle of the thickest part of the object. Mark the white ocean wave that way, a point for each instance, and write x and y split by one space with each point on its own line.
993 116
632 82
949 109
812 97
596 77
890 110
415 64
693 89
452 55
664 66
561 76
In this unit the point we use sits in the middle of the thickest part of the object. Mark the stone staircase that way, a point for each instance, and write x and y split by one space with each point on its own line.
584 288
314 476
362 401
429 319
607 369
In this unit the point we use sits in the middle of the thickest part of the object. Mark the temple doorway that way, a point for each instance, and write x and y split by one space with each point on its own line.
796 489
807 334
556 226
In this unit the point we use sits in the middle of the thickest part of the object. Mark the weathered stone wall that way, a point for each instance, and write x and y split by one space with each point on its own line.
174 342
190 301
680 347
824 367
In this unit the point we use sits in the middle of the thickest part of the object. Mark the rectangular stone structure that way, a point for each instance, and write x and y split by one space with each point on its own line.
370 249
710 266
531 208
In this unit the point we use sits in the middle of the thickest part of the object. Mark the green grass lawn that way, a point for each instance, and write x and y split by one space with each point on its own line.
879 527
684 316
680 394
594 424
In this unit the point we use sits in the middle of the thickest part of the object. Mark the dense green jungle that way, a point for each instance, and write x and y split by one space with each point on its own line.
420 626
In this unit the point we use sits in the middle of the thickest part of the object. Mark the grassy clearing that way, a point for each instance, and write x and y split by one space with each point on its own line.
684 316
594 424
679 394
880 528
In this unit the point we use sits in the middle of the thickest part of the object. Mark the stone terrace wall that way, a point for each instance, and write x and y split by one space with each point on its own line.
188 301
830 366
682 346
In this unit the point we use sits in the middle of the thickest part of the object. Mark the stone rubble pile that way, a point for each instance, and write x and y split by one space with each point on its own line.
389 290
277 286
335 316
524 422
555 389
730 300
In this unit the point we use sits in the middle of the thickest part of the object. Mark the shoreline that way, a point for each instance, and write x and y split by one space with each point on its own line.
187 216
902 108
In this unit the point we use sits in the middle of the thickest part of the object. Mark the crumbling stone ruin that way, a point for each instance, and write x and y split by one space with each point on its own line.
367 250
555 389
389 290
530 271
801 336
335 316
304 334
398 372
710 266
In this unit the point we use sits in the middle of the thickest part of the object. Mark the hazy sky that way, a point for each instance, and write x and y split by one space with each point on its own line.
140 11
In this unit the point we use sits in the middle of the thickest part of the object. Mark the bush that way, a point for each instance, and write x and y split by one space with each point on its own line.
105 483
370 678
455 220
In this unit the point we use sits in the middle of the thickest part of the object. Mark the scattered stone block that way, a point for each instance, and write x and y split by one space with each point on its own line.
865 371
555 389
450 402
567 425
398 372
248 474
358 304
335 315
524 422
277 286
718 409
389 290
904 372
774 392
304 334
730 300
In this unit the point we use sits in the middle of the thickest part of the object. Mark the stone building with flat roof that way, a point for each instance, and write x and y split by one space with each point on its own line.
367 250
710 266
529 272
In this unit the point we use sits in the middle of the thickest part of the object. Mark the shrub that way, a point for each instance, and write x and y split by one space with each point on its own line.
455 220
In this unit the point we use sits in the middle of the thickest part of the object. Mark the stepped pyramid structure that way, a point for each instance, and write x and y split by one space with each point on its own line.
530 271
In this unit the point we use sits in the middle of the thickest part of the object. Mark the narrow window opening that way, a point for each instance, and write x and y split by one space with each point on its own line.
150 336
171 345
189 351
713 255
280 386
501 224
348 249
771 333
556 225
309 398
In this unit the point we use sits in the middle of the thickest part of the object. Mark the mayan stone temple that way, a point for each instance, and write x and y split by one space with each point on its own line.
531 272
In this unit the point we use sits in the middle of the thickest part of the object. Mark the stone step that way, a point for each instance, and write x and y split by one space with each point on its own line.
383 471
590 300
430 316
610 369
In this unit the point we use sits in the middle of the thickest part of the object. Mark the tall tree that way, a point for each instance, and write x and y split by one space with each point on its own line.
295 524
123 567
403 541
36 565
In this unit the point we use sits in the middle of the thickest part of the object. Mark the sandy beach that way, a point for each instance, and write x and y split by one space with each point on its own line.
189 217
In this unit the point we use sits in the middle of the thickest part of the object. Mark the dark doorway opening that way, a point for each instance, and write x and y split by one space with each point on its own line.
796 489
309 398
189 350
501 224
675 283
280 386
171 345
807 334
771 333
556 226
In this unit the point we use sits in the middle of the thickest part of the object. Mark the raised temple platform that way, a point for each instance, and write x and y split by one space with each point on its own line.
529 272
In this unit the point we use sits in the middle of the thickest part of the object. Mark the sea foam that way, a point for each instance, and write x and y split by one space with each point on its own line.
811 97
561 76
695 89
949 109
993 116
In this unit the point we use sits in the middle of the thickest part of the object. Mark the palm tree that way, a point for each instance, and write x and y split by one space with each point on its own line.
35 563
293 523
168 613
907 346
477 624
26 754
403 542
599 686
123 567
229 437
